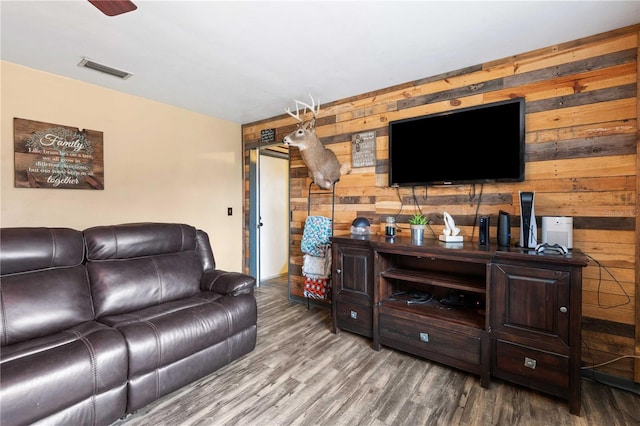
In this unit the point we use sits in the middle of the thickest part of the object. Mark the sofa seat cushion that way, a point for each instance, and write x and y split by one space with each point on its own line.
164 334
81 363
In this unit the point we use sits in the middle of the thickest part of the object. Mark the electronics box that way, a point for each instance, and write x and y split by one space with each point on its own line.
557 230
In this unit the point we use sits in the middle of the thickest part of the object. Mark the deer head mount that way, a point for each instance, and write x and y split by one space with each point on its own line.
323 165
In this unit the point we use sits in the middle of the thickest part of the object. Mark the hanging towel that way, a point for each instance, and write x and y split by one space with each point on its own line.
317 266
317 288
316 234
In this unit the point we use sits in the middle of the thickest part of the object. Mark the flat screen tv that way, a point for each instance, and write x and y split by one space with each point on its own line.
479 144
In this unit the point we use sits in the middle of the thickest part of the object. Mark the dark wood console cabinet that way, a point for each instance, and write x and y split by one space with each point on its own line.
352 285
535 322
512 314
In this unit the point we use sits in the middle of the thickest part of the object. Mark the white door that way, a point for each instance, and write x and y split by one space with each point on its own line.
273 216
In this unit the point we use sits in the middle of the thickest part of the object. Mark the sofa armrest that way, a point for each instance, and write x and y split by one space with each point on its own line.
224 282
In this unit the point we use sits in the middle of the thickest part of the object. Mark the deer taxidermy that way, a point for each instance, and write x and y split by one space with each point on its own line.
323 165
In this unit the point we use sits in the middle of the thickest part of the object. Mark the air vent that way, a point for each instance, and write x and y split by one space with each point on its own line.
88 63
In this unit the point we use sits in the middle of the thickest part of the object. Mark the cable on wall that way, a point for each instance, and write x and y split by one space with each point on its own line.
600 268
471 197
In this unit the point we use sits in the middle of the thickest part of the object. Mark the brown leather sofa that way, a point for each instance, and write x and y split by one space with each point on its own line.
99 323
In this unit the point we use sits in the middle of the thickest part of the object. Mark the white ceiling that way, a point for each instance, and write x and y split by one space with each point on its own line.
247 60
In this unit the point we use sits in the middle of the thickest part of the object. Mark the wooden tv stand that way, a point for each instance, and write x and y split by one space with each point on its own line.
508 313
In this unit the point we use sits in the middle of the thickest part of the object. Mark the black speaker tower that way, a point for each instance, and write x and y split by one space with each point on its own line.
483 238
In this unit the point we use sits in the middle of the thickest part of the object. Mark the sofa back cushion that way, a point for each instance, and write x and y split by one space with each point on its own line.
33 249
134 266
43 284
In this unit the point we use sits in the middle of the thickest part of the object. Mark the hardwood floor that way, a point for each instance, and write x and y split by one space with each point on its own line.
302 374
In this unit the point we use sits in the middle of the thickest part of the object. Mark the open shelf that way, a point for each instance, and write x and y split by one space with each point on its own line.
467 316
458 282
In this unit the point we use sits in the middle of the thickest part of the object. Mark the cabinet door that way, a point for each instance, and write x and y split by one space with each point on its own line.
352 292
530 306
354 272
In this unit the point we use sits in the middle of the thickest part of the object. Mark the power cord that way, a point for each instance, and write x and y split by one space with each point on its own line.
594 379
600 268
401 203
602 364
415 202
415 199
471 197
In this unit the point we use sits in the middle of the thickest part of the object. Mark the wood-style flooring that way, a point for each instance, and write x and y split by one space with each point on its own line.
302 374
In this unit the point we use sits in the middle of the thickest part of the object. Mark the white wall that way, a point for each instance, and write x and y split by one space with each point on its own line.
161 163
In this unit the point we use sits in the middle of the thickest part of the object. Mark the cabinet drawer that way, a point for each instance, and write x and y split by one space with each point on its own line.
354 317
423 338
531 367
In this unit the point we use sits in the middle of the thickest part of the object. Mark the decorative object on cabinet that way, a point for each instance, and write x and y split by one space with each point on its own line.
418 222
450 231
361 226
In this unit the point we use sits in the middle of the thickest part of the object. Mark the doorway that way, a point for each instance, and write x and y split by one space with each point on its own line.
269 212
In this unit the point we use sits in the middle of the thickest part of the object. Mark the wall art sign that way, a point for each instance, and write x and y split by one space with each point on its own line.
267 135
363 149
55 156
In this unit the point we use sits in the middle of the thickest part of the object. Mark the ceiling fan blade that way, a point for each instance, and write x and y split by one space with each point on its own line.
114 7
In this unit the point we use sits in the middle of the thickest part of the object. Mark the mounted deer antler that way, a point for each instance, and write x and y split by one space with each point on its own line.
314 110
322 163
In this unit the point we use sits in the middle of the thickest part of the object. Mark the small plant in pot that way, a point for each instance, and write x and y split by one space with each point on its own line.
418 219
417 224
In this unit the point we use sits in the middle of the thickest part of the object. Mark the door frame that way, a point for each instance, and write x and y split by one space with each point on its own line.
254 211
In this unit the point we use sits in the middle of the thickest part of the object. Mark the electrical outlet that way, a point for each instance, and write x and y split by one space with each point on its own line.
229 211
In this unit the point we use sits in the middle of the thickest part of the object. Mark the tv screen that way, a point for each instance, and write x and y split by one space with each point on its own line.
478 144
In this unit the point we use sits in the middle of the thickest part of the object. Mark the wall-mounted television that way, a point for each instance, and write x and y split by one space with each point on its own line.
479 144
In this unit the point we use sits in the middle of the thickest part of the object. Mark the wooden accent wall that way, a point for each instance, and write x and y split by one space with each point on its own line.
581 161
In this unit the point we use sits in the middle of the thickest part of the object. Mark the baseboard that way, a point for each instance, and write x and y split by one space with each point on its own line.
611 380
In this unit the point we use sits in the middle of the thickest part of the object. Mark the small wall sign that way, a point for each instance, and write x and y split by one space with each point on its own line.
55 156
363 149
268 135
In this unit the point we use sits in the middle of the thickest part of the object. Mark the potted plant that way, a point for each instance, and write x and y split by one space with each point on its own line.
417 223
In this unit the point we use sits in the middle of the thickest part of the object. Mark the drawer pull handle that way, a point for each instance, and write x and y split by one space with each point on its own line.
530 363
563 309
353 315
338 271
424 337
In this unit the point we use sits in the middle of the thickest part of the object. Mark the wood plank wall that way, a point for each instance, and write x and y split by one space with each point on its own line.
581 161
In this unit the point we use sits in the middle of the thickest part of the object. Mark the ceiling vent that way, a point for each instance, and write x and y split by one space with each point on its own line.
88 63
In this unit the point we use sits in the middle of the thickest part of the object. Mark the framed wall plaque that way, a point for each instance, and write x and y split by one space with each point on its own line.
363 149
56 156
267 135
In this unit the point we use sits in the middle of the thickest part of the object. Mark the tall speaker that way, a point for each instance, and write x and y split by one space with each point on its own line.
504 229
528 227
483 238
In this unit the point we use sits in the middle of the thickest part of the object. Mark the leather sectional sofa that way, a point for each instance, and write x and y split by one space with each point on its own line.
96 324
